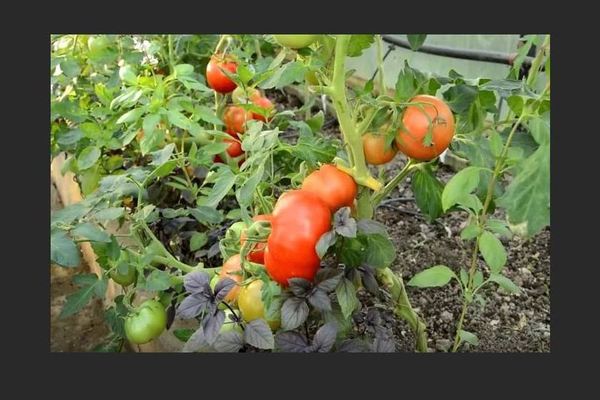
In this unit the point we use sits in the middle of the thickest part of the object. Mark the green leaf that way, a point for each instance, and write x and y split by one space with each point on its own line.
469 232
184 69
150 123
468 337
505 283
461 184
198 240
380 251
416 41
316 121
70 213
540 128
428 192
245 73
158 280
246 192
91 232
208 115
436 276
527 197
69 138
499 227
206 215
88 157
178 119
496 143
516 103
477 278
127 74
359 43
224 183
285 75
91 286
493 251
461 97
346 296
63 250
70 68
160 157
406 83
151 141
131 116
183 334
89 179
352 252
464 277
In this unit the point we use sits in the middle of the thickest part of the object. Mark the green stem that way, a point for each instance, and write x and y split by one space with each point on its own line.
537 62
380 79
387 189
352 138
167 257
403 307
171 60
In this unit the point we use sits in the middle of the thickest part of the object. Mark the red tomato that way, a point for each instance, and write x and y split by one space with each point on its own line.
299 220
235 119
215 78
417 121
336 188
229 269
375 151
258 254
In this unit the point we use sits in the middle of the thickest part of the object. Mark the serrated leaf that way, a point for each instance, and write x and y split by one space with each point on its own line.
504 283
111 213
225 182
212 325
346 295
91 232
293 313
359 43
436 276
160 157
291 342
246 192
63 251
229 342
460 97
464 182
79 299
316 121
380 251
196 282
208 115
223 287
493 251
206 215
527 197
328 278
320 300
158 281
193 305
324 339
259 335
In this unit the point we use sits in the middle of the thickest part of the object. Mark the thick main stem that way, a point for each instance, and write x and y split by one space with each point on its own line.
337 91
403 308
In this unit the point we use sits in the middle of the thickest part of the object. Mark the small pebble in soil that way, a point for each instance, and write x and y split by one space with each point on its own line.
446 316
443 344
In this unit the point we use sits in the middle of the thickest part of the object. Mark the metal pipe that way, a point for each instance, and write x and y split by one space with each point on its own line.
465 54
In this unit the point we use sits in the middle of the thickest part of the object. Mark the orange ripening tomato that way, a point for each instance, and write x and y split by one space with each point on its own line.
299 220
336 188
215 78
229 269
262 102
235 118
258 254
375 151
417 121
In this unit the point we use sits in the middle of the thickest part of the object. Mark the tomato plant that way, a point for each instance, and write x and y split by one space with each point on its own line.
257 255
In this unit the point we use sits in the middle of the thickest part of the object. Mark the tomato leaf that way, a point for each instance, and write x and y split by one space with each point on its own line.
416 41
63 251
259 335
436 276
91 286
198 240
291 342
380 251
493 251
346 295
464 182
158 281
183 334
109 214
226 180
90 231
359 43
428 192
88 157
293 313
206 215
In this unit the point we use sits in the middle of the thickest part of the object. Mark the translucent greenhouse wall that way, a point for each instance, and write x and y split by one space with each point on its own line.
366 64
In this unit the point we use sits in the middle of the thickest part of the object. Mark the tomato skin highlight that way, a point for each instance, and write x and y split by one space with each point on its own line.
147 323
229 269
415 119
295 41
235 119
251 305
300 218
375 151
336 188
216 79
258 254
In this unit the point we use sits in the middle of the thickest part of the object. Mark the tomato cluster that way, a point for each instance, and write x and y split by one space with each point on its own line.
427 114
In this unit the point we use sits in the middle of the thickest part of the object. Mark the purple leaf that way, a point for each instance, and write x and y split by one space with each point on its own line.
383 343
195 342
212 325
328 279
343 223
353 346
320 300
229 342
193 305
196 282
223 287
259 335
299 286
293 313
291 342
324 338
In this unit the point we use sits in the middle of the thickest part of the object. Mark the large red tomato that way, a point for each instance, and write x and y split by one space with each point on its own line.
336 188
258 254
215 78
235 119
299 220
417 121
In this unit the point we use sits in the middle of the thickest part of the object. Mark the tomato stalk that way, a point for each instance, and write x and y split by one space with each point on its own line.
481 220
337 91
403 307
380 80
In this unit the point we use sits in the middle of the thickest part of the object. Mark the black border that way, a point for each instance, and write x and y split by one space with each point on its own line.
573 271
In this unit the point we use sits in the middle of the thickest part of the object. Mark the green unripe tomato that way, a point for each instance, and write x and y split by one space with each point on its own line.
146 323
295 41
124 279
